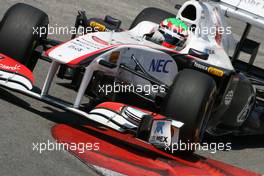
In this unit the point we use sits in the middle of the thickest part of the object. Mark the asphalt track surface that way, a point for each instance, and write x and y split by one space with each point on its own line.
25 121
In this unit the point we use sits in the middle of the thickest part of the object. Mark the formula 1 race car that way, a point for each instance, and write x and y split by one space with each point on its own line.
201 88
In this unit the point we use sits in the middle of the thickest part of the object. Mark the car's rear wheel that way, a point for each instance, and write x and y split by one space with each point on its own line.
190 100
18 36
151 14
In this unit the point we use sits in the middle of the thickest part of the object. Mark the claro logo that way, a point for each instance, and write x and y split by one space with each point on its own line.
10 68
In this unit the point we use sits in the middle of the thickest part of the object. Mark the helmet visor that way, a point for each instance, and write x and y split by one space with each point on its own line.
173 40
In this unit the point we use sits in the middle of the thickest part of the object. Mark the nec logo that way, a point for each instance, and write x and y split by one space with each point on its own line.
159 65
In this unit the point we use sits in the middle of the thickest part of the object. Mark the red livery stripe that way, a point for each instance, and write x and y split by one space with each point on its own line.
11 65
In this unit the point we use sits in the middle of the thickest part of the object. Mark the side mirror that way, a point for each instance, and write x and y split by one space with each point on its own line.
199 54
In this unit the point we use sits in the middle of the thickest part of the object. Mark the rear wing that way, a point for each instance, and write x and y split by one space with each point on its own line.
248 11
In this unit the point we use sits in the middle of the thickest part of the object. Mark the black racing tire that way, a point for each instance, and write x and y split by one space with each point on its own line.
190 100
151 14
17 37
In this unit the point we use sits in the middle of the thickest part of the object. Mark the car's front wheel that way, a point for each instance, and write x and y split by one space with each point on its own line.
20 33
190 100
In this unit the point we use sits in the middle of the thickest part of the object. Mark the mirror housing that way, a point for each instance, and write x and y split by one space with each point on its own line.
199 54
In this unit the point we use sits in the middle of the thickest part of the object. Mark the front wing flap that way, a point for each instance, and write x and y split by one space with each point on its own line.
15 75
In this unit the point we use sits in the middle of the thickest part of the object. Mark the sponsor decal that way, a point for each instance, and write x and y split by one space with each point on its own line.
216 71
229 97
10 68
200 66
209 51
253 6
242 116
76 48
159 65
160 135
211 70
136 38
159 127
86 45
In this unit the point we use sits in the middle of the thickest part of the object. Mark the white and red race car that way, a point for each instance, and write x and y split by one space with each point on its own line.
198 89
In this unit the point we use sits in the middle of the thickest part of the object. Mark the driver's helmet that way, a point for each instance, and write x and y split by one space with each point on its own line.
175 33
